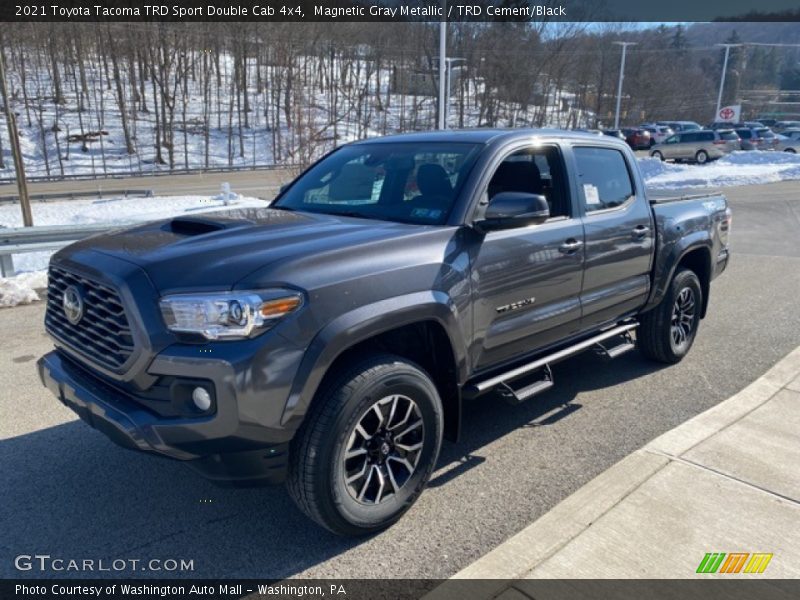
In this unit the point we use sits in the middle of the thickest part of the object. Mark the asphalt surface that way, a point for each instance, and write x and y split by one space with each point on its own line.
68 492
259 184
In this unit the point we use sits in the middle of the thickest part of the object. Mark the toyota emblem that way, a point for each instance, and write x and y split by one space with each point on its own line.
73 304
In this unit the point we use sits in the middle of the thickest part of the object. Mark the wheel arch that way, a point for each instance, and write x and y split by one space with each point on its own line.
422 328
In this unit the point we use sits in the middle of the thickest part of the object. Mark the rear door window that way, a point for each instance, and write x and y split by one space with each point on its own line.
605 181
728 135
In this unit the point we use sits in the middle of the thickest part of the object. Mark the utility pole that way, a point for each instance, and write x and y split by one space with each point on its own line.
442 66
621 78
19 167
450 62
724 70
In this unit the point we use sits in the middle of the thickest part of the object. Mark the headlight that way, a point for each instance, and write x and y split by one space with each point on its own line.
227 315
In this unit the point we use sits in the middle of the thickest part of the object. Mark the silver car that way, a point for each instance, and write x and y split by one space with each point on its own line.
697 146
789 143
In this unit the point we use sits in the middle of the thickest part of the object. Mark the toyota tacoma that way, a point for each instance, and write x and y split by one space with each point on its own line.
329 339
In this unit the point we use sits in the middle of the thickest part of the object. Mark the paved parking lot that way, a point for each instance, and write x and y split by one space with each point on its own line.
69 492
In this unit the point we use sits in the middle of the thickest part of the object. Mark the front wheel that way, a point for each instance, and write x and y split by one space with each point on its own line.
658 155
791 150
668 331
368 446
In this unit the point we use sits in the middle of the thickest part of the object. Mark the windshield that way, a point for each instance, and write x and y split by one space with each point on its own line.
402 181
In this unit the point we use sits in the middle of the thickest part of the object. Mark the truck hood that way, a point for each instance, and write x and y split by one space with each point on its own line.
214 251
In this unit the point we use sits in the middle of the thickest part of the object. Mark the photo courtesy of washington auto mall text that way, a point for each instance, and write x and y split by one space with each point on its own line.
399 299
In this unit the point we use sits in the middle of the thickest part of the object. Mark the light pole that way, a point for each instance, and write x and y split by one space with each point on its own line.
19 166
724 69
442 55
450 62
621 78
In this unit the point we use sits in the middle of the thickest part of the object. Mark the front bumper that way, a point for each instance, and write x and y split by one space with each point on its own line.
219 446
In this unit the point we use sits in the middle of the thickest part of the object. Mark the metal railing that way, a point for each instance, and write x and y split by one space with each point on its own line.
53 196
20 240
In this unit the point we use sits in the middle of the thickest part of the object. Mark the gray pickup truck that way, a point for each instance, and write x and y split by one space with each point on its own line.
329 339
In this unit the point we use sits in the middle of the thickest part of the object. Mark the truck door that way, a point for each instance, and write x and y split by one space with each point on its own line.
619 235
526 281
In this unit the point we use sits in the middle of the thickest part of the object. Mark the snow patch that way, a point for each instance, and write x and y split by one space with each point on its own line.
21 289
737 168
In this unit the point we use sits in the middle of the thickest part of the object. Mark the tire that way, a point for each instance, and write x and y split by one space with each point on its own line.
657 337
701 157
384 488
791 151
658 155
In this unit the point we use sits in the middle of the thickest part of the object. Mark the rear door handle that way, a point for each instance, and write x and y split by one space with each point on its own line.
570 246
640 231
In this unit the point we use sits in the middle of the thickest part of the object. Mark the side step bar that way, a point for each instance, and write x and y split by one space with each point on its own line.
503 380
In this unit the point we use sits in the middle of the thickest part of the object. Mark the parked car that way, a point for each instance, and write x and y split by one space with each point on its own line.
792 134
748 138
615 133
328 340
768 122
678 126
781 126
658 133
769 139
637 138
698 146
788 144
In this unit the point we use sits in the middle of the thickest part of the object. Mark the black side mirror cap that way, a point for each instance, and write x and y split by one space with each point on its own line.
508 210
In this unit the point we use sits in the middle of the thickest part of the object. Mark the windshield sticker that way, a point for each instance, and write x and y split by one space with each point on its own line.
426 213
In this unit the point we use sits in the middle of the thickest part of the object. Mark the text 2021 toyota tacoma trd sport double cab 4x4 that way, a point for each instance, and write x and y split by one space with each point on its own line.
328 340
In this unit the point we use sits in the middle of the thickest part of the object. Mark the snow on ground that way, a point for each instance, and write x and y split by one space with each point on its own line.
30 267
737 168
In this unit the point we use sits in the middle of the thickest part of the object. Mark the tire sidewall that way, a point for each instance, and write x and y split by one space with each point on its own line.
681 281
658 155
699 154
403 379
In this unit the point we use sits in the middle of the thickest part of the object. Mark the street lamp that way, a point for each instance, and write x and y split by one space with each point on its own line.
450 61
442 55
724 69
621 77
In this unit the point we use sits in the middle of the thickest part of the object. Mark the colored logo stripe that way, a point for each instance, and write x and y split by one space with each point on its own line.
713 562
758 563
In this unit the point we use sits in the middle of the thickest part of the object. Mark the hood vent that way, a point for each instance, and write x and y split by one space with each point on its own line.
194 226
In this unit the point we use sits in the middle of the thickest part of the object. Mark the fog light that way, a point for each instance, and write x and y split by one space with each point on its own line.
201 398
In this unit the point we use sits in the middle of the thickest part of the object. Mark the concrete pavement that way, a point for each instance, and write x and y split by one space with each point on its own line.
725 481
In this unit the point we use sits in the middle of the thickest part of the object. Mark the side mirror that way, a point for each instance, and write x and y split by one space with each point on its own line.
507 210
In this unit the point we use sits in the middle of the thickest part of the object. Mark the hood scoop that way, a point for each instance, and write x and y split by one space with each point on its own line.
191 226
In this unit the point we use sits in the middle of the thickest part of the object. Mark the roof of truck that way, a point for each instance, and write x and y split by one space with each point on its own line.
479 136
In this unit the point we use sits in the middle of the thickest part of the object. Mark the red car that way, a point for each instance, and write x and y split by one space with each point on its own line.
637 138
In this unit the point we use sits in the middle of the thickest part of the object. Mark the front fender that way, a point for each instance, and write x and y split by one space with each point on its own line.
363 323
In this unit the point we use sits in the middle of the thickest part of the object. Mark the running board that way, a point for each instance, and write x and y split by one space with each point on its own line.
503 380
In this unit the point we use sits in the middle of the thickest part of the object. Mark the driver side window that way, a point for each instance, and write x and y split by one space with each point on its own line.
533 170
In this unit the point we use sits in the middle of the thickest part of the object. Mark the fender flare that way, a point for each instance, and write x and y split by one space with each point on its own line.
662 280
361 324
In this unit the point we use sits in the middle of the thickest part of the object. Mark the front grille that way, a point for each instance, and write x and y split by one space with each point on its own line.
103 335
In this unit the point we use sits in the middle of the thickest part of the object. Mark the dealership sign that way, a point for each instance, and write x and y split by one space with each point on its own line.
729 114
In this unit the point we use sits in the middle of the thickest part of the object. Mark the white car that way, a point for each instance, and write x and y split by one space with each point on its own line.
658 133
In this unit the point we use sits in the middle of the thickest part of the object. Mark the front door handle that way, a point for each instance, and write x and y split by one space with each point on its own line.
640 231
570 246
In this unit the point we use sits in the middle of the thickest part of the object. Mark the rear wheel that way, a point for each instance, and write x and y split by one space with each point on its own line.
657 154
668 331
701 157
368 447
791 150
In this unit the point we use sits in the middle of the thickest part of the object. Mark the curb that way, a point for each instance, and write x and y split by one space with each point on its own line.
547 535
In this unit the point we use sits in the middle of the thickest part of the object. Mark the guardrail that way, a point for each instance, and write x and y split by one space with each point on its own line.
75 195
20 240
144 173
